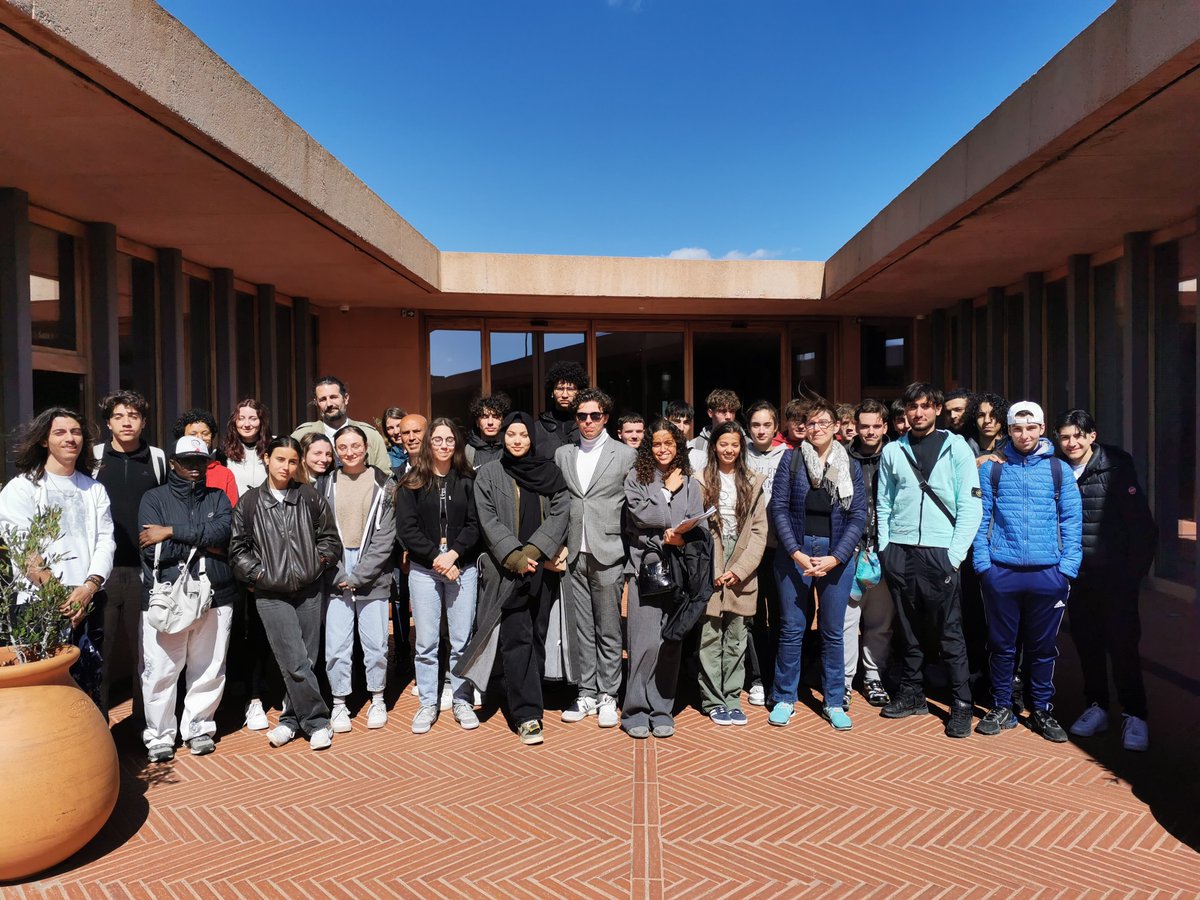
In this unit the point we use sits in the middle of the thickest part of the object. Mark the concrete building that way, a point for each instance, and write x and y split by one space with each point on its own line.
164 227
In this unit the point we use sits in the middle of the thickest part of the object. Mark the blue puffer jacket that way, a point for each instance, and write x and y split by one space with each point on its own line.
1025 528
787 510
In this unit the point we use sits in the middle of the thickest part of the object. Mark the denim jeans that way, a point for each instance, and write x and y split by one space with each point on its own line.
430 594
343 610
795 605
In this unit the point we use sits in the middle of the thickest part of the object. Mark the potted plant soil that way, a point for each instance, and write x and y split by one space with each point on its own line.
58 763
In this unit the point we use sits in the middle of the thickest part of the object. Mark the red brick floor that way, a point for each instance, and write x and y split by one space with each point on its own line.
890 809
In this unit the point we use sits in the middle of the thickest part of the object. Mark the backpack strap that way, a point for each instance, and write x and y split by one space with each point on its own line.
795 466
926 489
1057 473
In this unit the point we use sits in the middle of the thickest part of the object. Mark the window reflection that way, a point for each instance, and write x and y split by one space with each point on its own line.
136 326
52 268
745 362
641 371
885 353
455 373
513 370
810 364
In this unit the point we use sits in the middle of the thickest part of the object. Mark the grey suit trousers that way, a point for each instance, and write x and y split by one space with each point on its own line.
595 596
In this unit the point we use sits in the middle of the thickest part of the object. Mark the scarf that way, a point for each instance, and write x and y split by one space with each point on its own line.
531 472
834 476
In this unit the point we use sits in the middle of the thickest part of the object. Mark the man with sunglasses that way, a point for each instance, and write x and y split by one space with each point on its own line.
595 471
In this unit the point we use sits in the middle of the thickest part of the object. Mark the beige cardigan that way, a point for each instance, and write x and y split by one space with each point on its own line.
742 598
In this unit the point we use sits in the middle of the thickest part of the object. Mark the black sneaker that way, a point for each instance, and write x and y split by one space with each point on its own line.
877 695
998 719
909 701
1044 724
959 725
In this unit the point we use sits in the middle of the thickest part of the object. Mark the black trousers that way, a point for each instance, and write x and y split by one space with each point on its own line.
764 628
523 652
925 589
1105 625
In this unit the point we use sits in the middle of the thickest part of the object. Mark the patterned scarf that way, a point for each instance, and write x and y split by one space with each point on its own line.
834 476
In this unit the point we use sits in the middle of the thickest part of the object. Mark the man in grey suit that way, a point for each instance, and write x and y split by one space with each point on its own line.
595 473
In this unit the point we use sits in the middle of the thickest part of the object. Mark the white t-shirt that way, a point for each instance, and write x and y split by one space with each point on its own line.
250 472
68 495
1077 470
727 505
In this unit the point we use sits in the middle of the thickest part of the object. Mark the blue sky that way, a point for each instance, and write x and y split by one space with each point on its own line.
637 127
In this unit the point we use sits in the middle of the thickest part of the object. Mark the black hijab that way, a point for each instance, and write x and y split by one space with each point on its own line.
531 472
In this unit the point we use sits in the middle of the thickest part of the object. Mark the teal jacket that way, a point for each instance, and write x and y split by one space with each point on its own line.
907 516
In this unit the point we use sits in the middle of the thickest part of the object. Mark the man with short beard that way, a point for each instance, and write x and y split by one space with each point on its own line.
331 397
954 409
556 426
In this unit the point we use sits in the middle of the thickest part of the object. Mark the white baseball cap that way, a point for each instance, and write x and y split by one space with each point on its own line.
1028 409
190 445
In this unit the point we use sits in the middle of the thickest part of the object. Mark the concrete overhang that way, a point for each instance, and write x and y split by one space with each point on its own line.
1101 141
115 112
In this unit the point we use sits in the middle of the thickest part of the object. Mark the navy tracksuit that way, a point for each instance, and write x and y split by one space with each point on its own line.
1027 550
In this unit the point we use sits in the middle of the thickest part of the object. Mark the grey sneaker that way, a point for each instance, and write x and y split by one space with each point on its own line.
638 732
280 735
607 711
424 719
530 732
321 739
581 709
663 731
339 719
465 716
160 753
202 745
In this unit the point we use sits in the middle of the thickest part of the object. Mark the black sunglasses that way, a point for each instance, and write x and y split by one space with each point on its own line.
584 416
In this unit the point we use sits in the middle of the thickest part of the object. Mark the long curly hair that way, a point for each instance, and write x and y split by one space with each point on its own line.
999 407
741 477
646 465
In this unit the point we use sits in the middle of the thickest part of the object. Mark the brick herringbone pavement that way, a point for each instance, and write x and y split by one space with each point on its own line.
889 809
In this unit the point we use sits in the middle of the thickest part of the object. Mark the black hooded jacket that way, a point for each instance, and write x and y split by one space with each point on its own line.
554 429
1119 532
870 472
481 450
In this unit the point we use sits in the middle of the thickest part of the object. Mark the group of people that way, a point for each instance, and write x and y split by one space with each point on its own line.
827 545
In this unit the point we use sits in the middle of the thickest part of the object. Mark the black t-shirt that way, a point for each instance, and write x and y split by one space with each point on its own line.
818 511
926 449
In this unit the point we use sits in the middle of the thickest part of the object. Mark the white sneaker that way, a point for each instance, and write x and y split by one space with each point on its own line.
414 690
320 739
465 716
606 709
339 719
758 694
280 735
256 718
377 714
581 709
1135 734
1092 722
447 699
424 719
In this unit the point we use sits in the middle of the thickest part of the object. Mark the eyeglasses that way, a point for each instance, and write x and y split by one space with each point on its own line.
442 441
818 426
584 416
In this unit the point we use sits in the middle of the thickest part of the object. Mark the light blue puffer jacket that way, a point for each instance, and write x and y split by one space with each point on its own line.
1025 527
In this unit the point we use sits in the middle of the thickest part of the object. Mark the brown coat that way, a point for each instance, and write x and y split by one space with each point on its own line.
742 598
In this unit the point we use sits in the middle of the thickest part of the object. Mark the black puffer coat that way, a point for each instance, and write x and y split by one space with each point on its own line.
1119 532
281 547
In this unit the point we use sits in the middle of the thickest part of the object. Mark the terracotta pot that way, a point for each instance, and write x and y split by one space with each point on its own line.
59 765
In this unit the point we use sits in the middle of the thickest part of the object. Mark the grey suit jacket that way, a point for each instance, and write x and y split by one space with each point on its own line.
601 505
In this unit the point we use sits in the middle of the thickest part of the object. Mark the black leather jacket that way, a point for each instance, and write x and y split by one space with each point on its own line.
280 548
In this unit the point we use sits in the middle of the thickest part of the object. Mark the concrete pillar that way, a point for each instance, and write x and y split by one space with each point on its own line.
225 317
937 348
302 355
966 343
104 304
268 353
1033 296
1079 342
171 287
1135 346
16 325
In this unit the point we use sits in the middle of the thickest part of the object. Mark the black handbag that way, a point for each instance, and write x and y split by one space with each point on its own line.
654 578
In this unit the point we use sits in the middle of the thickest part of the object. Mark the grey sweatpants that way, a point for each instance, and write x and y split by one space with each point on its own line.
653 667
293 627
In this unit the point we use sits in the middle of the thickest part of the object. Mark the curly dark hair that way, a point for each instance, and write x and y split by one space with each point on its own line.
999 407
646 465
191 417
569 371
499 403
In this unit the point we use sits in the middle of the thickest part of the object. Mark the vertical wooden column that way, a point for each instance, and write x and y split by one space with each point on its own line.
172 285
302 354
1079 342
16 325
268 352
1135 346
993 359
966 343
1167 441
937 348
1106 334
1033 296
225 317
104 304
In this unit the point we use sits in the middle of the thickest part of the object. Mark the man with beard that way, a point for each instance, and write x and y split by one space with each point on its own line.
556 426
955 408
332 398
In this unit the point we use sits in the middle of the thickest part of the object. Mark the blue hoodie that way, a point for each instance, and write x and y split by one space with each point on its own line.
1023 527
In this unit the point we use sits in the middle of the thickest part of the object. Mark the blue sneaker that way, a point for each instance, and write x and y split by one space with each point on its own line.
737 717
781 714
719 715
837 718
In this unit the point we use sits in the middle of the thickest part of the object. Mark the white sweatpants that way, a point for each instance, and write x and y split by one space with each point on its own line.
372 616
875 613
200 649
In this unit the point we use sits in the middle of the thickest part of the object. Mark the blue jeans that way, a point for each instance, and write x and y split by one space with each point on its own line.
795 605
430 594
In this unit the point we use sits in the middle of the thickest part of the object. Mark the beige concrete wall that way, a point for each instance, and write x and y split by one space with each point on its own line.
149 59
378 353
1132 50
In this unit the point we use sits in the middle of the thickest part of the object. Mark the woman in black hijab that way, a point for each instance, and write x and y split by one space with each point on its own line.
523 506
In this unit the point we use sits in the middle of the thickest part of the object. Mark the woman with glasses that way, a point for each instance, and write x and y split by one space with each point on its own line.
437 523
819 510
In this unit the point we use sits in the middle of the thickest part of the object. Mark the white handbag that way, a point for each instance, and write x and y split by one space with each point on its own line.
176 606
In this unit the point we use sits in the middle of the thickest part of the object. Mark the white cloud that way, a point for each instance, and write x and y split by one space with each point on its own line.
702 253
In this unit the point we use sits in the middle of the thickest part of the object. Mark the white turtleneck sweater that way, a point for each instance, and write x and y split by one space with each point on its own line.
585 466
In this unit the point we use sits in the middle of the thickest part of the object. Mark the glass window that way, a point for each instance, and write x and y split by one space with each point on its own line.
810 364
197 328
745 362
52 268
641 371
1057 356
1014 335
137 315
247 352
885 354
1177 476
455 373
287 375
59 389
513 367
